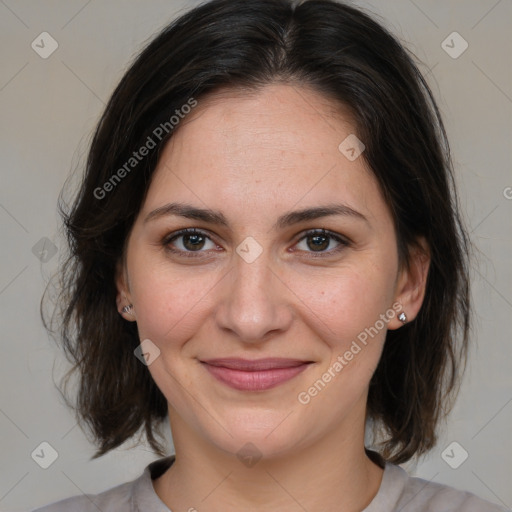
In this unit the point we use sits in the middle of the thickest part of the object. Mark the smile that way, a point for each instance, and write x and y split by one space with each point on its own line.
255 375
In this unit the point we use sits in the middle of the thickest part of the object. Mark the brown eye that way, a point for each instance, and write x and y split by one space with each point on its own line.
193 242
319 241
188 241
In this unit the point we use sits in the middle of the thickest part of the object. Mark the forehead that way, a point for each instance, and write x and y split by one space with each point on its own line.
263 150
278 118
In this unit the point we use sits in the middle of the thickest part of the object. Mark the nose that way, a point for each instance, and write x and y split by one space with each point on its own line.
255 301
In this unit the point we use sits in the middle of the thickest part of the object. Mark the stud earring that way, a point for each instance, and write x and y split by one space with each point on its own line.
402 317
127 308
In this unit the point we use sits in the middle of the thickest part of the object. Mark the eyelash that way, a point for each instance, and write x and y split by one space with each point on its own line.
343 242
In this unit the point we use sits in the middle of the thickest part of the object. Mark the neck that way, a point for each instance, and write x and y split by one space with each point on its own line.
333 473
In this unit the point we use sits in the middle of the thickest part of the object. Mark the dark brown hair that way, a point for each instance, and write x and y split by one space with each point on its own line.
348 57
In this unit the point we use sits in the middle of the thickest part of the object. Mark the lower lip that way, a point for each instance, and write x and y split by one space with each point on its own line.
254 381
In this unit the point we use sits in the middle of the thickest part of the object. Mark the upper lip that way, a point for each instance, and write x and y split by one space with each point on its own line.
251 365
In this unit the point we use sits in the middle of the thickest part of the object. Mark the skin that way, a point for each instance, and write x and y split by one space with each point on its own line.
255 157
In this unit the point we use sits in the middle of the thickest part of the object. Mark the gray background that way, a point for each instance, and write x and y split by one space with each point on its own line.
48 110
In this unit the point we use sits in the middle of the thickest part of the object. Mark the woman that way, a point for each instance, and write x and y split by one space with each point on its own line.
266 248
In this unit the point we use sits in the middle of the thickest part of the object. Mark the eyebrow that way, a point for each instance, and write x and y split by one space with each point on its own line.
189 211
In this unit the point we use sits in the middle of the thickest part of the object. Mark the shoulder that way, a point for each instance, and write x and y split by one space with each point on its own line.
131 496
112 500
421 495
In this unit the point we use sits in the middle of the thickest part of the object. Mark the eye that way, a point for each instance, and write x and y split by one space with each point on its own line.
192 242
319 240
188 241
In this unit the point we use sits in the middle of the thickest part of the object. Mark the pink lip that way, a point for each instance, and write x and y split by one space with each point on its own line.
254 375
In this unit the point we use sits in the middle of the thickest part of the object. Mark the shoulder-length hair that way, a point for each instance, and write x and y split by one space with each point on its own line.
343 54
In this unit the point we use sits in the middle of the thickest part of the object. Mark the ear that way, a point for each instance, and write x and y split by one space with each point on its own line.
123 297
411 283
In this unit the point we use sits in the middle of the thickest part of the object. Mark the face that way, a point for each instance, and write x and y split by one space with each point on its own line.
252 280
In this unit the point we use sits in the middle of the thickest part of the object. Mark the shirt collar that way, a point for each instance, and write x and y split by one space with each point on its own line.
145 498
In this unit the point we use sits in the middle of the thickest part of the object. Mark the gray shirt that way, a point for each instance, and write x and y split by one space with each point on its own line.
398 492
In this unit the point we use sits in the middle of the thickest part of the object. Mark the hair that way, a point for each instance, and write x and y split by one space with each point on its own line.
343 54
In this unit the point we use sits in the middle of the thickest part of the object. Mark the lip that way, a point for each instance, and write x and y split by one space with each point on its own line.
254 374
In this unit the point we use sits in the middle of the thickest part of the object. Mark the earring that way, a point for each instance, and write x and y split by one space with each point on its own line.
127 308
402 317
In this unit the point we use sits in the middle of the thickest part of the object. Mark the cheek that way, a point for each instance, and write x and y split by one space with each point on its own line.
348 301
170 307
345 312
169 303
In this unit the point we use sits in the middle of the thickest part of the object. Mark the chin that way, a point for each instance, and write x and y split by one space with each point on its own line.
267 434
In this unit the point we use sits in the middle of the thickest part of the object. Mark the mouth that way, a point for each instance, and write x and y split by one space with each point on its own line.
256 374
